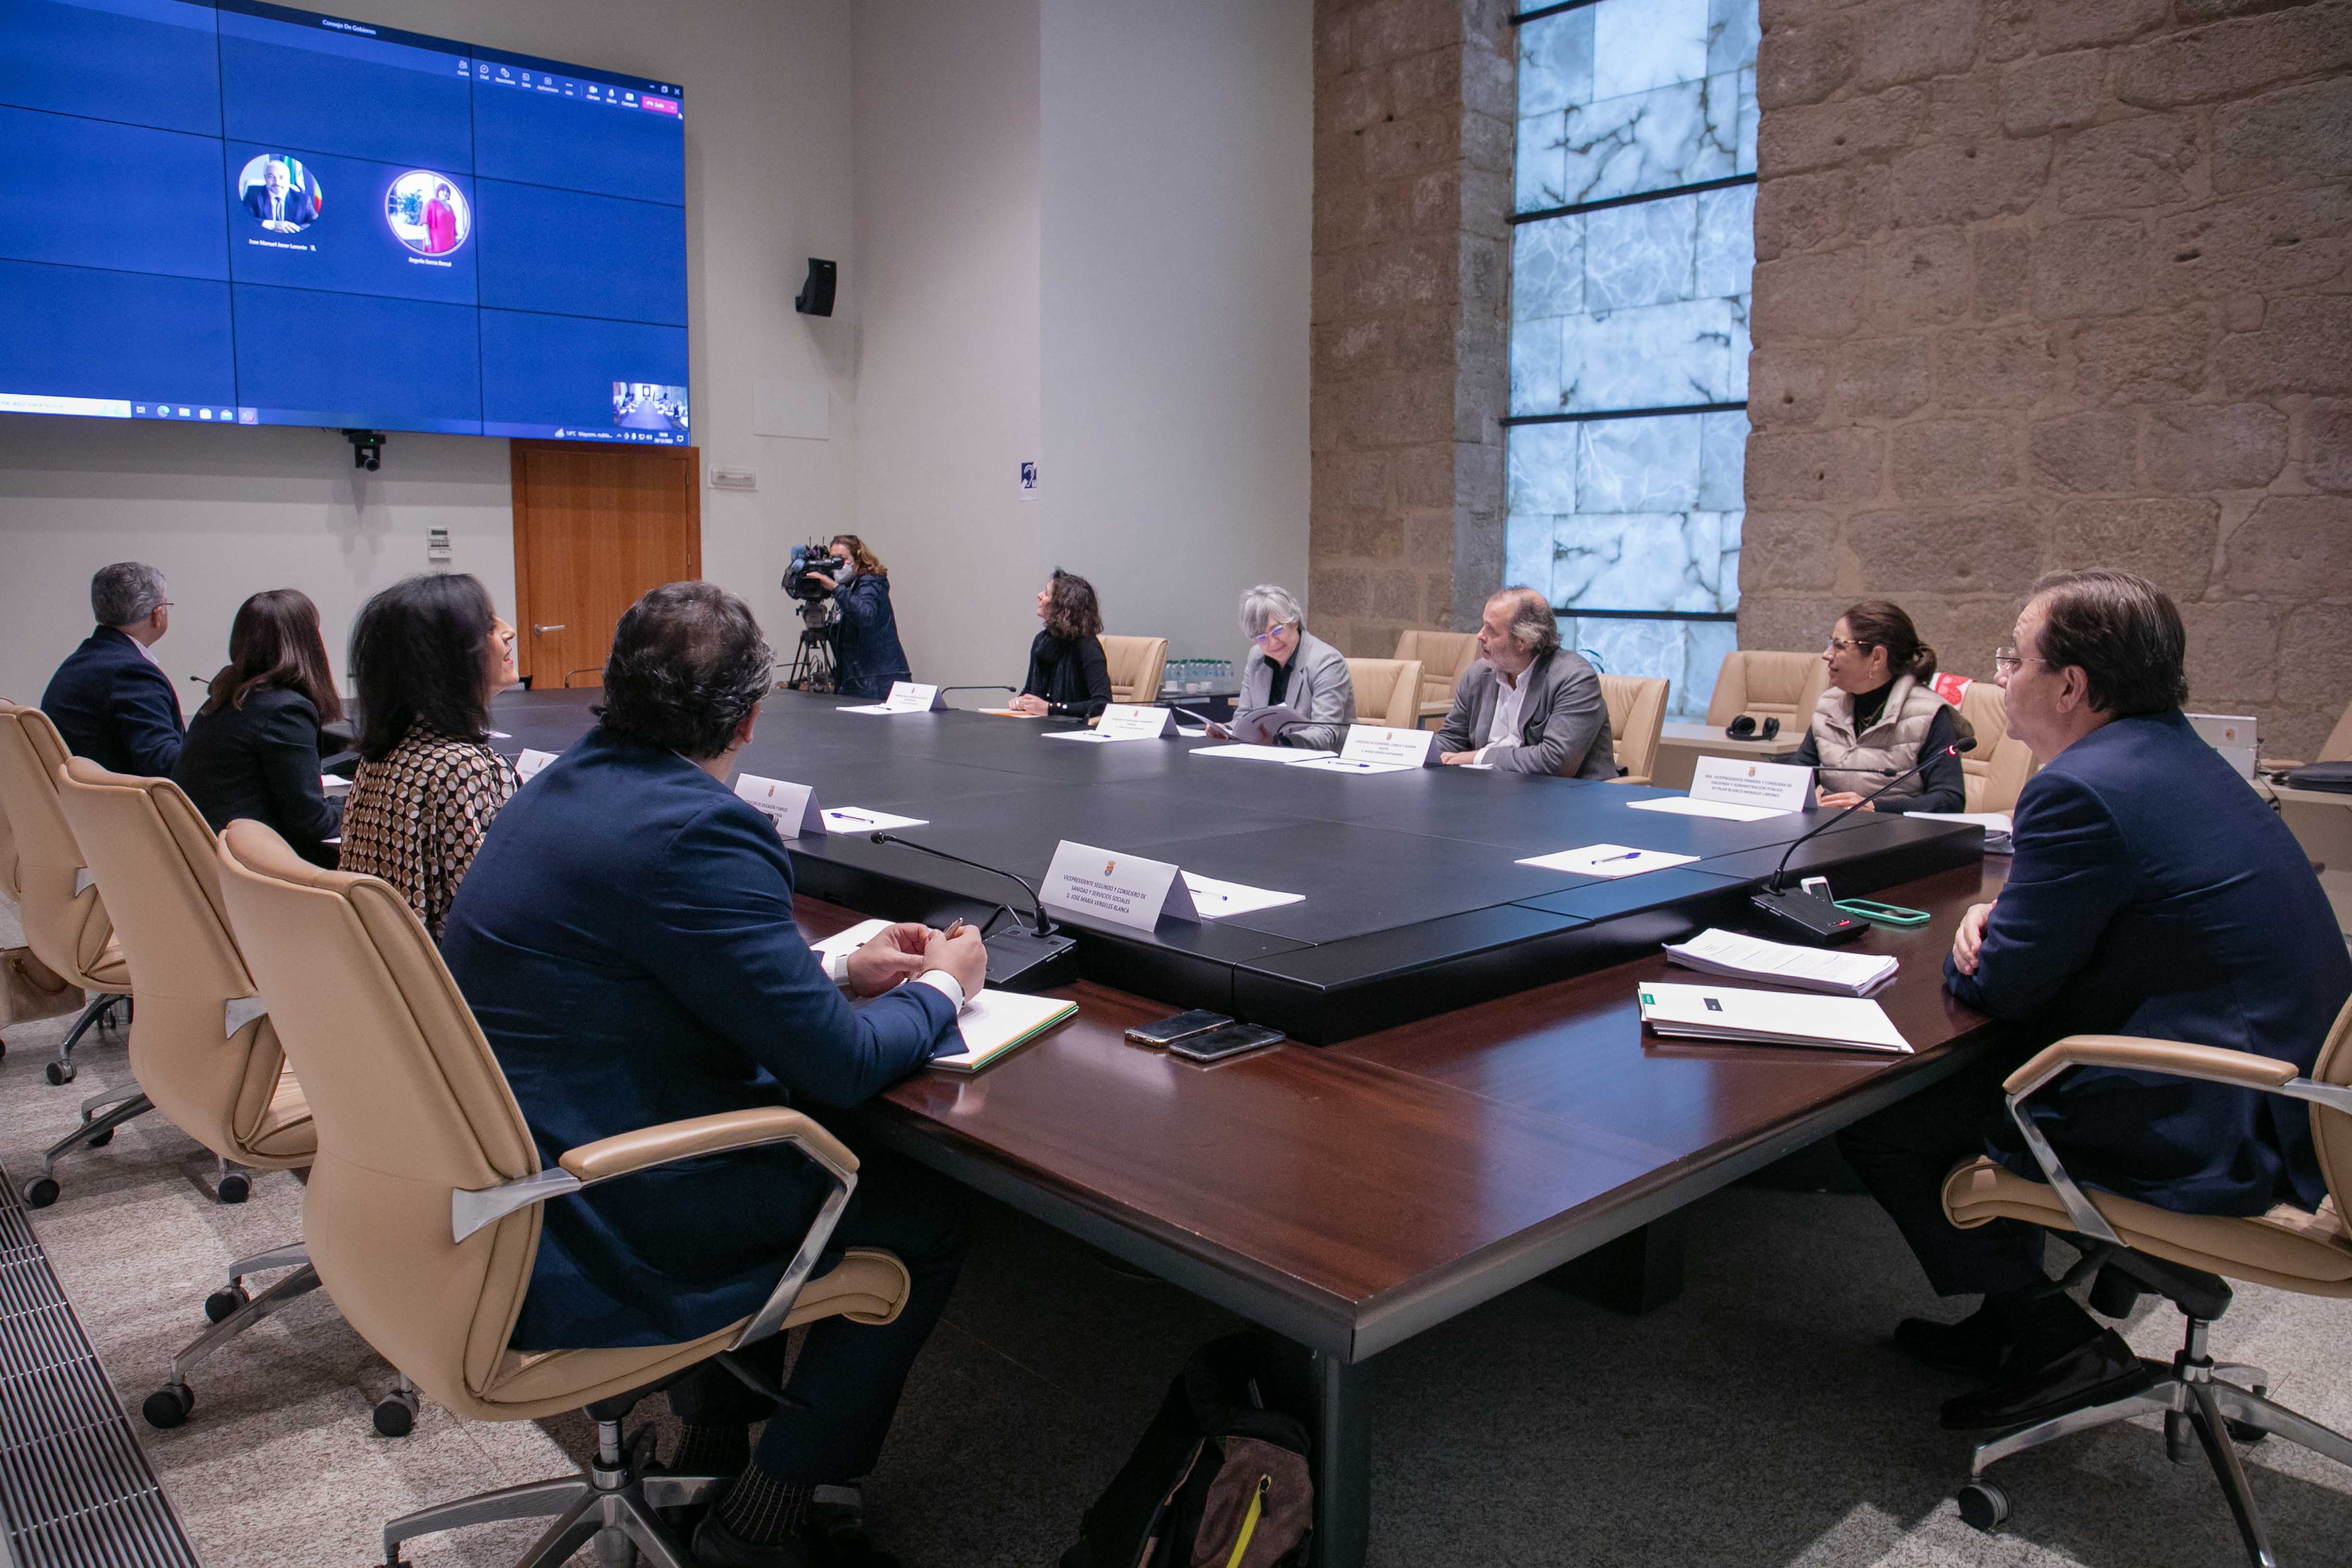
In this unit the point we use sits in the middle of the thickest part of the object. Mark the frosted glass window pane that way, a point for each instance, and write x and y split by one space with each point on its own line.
1654 141
1641 44
1641 255
1527 552
1659 355
1638 465
1541 468
1548 268
1556 61
1688 654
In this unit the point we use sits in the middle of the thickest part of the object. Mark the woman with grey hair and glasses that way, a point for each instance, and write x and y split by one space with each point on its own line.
1289 667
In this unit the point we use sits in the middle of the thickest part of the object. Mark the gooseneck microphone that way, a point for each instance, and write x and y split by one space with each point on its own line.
1045 927
1819 919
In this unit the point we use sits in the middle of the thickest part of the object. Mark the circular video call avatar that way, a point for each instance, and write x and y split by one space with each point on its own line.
427 212
282 195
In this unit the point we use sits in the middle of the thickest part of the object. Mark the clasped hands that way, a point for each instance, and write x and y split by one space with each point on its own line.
1968 940
910 949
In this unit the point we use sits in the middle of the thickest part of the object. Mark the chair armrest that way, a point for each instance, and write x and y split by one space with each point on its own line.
2175 1057
625 1152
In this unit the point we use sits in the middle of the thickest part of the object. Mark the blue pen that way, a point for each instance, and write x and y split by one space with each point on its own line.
1629 856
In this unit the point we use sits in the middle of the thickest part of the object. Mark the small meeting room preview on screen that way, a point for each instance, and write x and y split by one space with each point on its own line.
267 216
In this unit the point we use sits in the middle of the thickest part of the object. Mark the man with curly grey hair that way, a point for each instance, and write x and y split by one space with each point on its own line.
110 700
625 938
1528 706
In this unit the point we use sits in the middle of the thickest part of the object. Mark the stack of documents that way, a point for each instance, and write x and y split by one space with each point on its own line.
1994 823
1715 952
1769 1018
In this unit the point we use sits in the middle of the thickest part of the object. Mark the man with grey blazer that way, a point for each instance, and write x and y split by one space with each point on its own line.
1290 667
1528 706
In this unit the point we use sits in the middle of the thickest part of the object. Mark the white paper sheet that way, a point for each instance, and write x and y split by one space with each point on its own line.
850 940
1216 899
1246 753
1608 860
1719 952
1684 806
841 820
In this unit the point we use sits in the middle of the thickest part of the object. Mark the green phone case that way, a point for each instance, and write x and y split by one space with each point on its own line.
1884 914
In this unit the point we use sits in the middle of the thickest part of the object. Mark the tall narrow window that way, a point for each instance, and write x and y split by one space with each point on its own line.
1632 253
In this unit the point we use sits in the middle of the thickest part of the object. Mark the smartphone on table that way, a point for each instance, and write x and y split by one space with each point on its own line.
1168 1030
1226 1039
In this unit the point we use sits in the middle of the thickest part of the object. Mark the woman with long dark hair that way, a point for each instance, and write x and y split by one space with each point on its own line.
1068 676
866 653
1879 716
427 655
253 749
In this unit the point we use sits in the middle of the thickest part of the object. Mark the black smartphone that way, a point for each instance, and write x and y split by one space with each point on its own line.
1230 1040
1164 1031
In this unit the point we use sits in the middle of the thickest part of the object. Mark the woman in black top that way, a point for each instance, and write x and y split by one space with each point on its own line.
1068 675
253 749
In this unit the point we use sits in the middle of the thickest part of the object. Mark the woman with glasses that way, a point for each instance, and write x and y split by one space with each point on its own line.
1068 678
1879 716
1291 667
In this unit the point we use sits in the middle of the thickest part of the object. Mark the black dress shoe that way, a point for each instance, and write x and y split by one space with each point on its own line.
716 1546
1974 1346
2096 1372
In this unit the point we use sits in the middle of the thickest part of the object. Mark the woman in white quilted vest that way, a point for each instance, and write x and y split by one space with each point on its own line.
1879 716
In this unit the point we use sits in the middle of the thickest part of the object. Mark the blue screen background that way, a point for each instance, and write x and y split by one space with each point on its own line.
556 270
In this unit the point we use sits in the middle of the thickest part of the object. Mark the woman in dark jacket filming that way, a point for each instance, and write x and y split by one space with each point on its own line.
1068 678
866 651
253 749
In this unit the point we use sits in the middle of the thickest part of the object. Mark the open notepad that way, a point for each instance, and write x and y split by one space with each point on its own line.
1717 952
1768 1018
996 1023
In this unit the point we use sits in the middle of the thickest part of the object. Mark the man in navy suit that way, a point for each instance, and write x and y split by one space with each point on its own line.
625 938
2152 894
277 203
110 700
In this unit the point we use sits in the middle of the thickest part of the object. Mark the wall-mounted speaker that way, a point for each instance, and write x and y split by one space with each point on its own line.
816 294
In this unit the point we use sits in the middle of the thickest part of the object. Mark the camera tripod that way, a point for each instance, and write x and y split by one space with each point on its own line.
811 666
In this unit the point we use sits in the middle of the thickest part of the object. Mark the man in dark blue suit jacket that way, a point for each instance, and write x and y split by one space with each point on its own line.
625 936
2152 894
110 700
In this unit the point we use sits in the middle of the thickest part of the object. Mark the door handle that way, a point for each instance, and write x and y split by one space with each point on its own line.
535 631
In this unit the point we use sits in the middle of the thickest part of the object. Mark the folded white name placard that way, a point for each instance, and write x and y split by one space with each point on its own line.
1608 860
1684 806
1378 743
1123 889
841 820
1243 752
1736 781
1120 721
531 762
1216 900
791 807
905 696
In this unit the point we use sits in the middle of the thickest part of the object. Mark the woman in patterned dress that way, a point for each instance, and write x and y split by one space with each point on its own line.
427 655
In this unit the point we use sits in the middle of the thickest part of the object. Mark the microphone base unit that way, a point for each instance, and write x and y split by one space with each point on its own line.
1801 917
1024 961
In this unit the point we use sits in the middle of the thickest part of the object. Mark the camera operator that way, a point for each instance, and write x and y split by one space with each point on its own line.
865 650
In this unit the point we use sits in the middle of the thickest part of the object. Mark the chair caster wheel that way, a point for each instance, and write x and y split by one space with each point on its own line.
102 1139
41 1192
395 1413
235 1187
1983 1506
168 1407
59 1072
2244 1432
221 1303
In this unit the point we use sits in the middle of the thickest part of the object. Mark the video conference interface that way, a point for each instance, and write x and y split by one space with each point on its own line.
235 212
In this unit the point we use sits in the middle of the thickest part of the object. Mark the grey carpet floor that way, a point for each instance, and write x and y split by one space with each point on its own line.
1759 1419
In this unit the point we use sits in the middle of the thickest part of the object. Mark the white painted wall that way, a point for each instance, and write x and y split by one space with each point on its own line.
227 512
1178 201
943 302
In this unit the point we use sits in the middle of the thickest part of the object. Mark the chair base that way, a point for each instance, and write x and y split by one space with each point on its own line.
613 1502
232 1312
101 1113
99 1011
2205 1405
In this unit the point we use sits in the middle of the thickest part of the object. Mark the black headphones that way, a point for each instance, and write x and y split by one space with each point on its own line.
1744 727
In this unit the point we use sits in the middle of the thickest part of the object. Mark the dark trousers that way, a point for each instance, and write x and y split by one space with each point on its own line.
844 1388
1904 1153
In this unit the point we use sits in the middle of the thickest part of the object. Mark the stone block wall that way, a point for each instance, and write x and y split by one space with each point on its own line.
2048 283
1413 108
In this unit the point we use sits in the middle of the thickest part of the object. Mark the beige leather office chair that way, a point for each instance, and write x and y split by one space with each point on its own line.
1637 716
422 1212
29 989
1768 685
202 1048
1136 663
1444 656
2000 766
65 919
2181 1256
1388 691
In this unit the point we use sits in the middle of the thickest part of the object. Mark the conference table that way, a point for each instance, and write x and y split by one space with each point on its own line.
1349 1194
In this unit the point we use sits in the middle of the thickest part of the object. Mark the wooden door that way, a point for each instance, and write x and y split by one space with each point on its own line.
594 527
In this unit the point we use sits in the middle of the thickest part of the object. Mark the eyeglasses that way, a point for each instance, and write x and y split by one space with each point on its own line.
1267 637
1840 644
2005 660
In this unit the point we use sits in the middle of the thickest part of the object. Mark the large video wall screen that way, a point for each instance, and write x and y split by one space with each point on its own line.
238 213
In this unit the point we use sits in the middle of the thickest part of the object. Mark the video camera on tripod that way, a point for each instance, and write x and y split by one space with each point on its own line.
811 668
